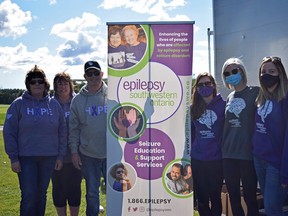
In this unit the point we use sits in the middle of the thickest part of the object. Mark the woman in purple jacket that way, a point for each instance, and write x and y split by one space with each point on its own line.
67 181
207 114
270 144
35 138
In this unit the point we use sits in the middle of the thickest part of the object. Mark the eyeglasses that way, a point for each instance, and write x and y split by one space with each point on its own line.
272 58
91 73
120 171
34 81
208 83
234 71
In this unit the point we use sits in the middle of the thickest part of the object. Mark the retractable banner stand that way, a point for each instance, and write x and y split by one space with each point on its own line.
148 135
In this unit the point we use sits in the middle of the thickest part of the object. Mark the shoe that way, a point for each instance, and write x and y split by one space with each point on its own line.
101 209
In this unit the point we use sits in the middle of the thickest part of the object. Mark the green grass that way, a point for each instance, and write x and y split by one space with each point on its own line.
3 110
10 192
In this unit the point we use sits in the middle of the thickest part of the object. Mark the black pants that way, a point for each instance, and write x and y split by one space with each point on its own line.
66 186
241 171
208 180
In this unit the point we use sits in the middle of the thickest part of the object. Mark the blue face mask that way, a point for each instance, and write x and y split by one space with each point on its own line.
234 79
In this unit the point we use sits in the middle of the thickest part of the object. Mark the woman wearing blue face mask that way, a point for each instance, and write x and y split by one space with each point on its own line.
207 120
270 143
238 167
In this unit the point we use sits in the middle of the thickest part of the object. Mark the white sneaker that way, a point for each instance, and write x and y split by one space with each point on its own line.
101 209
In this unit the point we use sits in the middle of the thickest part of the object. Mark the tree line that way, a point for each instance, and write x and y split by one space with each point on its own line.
7 96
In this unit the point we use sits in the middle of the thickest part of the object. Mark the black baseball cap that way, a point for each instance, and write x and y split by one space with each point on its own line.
92 65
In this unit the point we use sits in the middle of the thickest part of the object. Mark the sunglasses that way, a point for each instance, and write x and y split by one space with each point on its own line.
120 172
272 58
34 81
208 83
234 71
91 73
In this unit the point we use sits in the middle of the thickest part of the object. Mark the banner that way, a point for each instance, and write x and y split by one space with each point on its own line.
148 136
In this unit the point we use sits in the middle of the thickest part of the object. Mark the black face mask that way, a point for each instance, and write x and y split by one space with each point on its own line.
268 80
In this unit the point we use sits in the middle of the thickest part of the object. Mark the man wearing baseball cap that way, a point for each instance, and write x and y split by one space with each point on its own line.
87 133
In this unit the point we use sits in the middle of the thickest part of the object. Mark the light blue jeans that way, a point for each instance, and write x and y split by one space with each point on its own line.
269 180
92 168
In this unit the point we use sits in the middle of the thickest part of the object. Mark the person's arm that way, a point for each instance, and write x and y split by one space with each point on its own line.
62 131
74 135
118 121
126 185
284 160
10 134
132 129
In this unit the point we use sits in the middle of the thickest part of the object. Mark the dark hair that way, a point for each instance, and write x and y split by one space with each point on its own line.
117 166
185 169
36 72
63 76
113 30
198 104
179 166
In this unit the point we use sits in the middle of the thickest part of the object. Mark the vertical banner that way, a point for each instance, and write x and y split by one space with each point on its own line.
148 136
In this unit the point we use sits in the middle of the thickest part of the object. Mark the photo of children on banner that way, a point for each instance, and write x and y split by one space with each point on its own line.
175 180
127 122
121 182
126 46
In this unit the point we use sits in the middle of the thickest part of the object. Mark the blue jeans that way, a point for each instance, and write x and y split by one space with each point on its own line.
91 170
269 180
34 180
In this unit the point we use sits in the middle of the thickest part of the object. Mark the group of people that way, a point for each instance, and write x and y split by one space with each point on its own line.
60 137
125 46
241 142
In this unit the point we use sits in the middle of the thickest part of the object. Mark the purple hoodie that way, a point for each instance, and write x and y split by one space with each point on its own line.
66 113
206 132
270 139
34 128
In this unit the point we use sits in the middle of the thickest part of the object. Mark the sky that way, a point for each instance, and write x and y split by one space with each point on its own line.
60 35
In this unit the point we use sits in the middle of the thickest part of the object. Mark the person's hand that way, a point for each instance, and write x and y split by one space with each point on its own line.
284 186
76 160
119 122
16 167
132 129
58 164
131 116
126 185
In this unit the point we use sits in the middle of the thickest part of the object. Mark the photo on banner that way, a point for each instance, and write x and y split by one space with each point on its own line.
148 136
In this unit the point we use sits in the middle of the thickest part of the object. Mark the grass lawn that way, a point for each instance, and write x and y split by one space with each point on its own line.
3 110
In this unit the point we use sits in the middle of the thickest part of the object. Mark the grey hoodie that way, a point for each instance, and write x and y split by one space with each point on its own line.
88 122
